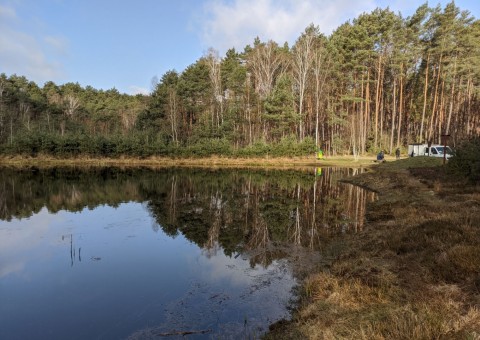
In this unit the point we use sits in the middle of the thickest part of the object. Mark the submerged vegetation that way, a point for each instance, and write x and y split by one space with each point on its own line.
377 82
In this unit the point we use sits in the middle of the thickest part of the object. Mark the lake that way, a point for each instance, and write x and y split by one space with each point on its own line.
109 253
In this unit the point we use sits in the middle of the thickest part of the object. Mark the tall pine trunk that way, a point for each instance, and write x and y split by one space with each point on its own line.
425 91
377 98
394 113
435 100
400 109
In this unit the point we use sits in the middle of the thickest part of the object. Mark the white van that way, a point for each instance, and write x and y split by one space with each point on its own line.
435 150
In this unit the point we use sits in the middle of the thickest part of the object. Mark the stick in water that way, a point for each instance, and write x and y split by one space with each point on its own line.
184 332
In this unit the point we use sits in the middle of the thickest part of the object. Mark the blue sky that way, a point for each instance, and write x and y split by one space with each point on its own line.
124 44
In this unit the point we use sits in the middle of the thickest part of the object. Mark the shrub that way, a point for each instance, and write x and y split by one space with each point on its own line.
71 145
259 148
289 146
466 160
209 147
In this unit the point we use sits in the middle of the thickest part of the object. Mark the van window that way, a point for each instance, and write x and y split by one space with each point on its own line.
434 151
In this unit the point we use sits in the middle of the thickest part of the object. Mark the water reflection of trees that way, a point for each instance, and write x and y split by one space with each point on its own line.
233 210
25 192
247 211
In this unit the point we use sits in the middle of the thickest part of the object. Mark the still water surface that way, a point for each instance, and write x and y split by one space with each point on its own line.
115 254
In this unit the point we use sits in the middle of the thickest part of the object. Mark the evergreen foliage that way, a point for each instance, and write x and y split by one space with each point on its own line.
380 81
466 161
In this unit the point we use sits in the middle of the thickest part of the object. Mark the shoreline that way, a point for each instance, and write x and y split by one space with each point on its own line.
412 273
214 162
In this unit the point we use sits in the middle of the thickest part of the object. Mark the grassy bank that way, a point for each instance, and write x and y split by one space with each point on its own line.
158 162
413 273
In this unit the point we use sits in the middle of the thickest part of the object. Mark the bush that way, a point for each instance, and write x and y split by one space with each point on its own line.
144 145
259 148
209 147
70 145
466 160
31 143
289 146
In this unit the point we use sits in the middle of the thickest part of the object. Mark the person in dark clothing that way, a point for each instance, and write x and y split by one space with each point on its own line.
397 153
380 157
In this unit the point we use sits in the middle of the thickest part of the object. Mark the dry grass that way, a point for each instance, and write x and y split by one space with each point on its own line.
414 273
214 161
348 294
433 319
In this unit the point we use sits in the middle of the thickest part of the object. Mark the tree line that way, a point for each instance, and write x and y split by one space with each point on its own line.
380 81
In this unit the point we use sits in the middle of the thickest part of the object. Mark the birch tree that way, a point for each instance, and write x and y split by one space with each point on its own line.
303 59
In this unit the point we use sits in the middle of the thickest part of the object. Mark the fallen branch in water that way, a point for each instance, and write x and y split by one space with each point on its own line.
184 332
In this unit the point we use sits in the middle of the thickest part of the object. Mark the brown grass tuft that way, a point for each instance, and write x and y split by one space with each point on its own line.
414 273
465 258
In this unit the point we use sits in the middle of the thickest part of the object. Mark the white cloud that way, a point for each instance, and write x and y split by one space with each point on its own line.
20 238
7 12
238 22
59 44
21 54
25 54
134 90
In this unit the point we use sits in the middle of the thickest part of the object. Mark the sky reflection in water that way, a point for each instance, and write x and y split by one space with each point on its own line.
119 278
111 271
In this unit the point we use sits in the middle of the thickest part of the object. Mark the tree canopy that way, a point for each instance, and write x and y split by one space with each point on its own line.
380 81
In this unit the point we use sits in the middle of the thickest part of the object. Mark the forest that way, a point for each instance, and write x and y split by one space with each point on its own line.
378 82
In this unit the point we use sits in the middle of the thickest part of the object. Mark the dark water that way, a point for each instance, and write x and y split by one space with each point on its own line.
115 254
